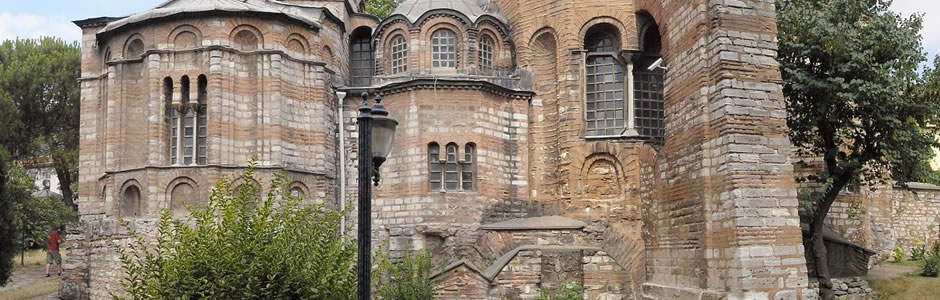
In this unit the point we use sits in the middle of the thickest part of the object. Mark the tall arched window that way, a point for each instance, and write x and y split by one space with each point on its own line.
444 49
605 112
648 85
434 167
451 172
172 117
202 121
399 55
466 168
486 52
130 202
361 60
188 124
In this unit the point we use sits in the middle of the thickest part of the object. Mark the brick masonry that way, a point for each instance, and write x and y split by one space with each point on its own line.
710 214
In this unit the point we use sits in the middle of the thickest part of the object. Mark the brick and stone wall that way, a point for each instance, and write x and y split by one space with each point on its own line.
886 217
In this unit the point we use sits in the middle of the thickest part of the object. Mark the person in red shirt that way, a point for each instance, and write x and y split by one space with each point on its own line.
52 252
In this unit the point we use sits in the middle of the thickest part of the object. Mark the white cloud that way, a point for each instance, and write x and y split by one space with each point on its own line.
931 31
25 25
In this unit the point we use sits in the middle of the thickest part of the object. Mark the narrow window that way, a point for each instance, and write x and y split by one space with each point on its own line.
466 176
201 121
451 174
604 85
444 49
434 167
188 134
648 84
363 65
486 53
172 118
399 55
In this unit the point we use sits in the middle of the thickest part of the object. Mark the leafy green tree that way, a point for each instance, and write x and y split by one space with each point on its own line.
37 216
235 248
381 8
40 76
409 278
7 223
851 86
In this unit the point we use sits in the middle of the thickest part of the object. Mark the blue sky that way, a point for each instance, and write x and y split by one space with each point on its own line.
34 18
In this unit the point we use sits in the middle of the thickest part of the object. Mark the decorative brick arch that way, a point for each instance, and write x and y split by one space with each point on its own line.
185 34
615 23
297 43
240 39
169 201
134 47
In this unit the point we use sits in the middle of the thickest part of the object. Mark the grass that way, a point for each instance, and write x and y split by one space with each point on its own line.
36 289
909 286
32 258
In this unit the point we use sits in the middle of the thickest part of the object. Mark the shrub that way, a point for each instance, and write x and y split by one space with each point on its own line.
918 252
932 263
571 291
238 249
407 279
931 266
897 254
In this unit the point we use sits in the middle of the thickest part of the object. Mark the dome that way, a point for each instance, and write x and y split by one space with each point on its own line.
472 9
308 15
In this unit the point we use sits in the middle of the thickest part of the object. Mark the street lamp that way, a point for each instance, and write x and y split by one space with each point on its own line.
376 134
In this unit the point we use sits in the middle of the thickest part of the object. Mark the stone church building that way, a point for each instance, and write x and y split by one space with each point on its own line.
637 147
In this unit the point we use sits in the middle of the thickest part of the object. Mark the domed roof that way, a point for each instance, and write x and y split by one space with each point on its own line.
472 9
309 15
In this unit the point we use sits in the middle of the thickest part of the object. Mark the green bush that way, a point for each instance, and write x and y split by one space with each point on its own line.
407 279
932 263
897 254
918 252
931 266
238 249
571 291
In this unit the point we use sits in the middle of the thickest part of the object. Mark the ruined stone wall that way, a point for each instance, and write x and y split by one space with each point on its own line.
886 217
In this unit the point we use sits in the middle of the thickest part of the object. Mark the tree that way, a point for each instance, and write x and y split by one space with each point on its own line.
853 98
7 223
40 76
381 8
36 217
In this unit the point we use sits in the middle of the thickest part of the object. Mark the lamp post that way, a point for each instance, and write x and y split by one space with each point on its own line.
376 134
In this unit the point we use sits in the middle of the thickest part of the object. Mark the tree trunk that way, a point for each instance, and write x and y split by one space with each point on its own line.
816 234
822 262
65 185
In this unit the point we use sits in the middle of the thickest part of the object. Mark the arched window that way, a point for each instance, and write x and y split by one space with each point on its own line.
188 123
648 85
130 202
202 121
486 53
451 173
466 174
605 112
361 60
399 55
172 117
434 167
444 49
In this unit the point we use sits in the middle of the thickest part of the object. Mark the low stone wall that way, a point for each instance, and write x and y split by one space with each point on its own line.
852 288
886 217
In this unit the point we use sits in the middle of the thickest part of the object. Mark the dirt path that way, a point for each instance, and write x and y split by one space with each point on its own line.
888 271
30 276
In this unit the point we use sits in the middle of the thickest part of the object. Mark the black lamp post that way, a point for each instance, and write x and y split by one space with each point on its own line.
376 134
